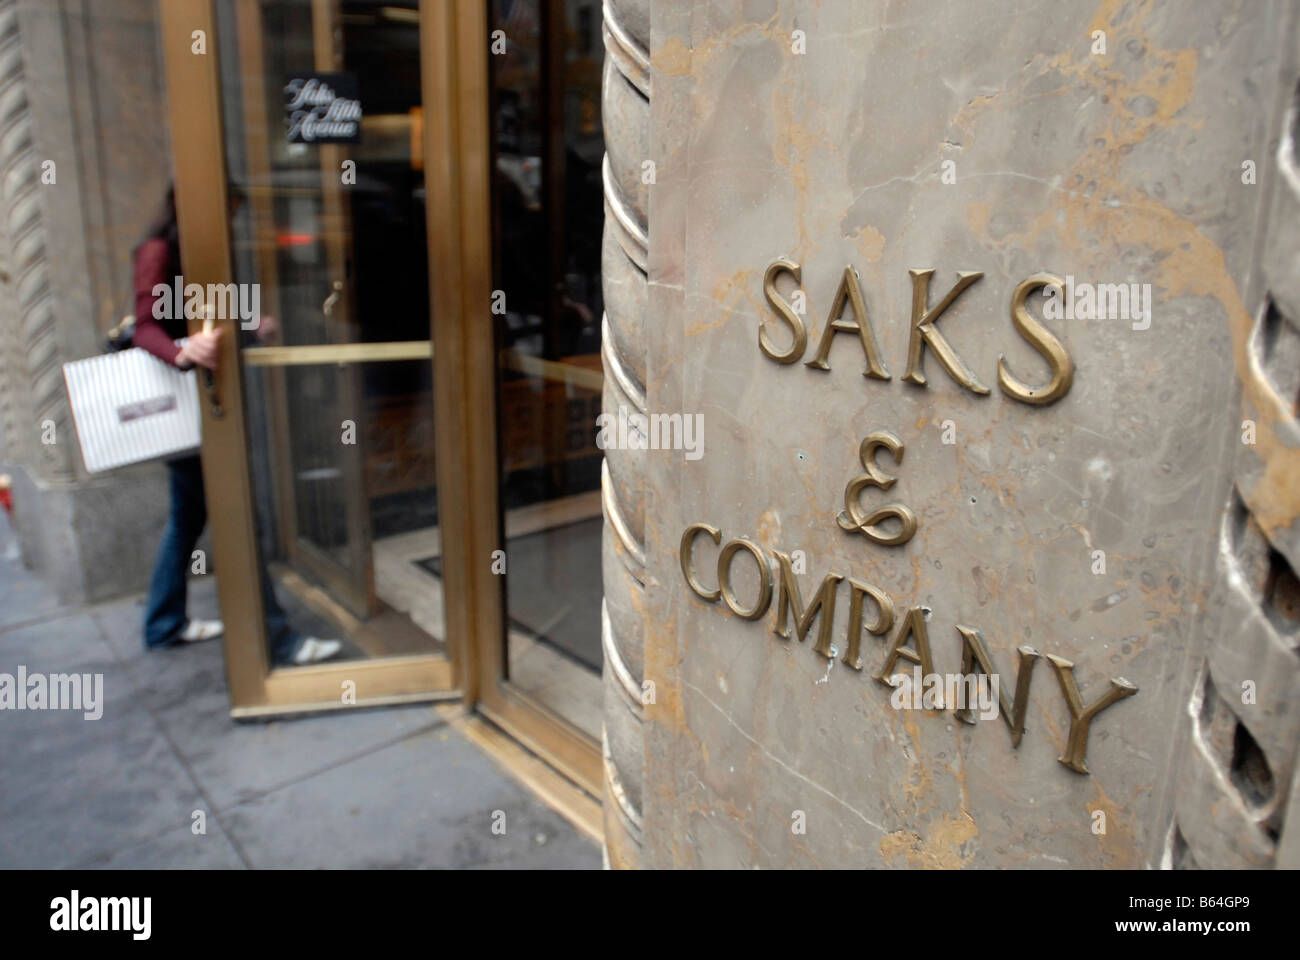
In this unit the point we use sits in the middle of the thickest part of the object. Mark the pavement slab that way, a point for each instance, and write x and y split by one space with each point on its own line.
371 788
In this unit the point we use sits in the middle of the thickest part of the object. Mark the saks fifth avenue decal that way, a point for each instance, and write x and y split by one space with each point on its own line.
322 108
893 524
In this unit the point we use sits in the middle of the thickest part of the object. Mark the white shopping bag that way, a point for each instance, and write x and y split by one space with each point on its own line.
131 407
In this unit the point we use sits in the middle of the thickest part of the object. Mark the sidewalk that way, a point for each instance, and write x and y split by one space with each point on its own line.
374 788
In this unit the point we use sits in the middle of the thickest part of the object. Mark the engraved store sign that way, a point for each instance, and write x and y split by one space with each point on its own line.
893 523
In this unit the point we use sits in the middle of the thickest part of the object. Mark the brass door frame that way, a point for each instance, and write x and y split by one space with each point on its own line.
201 202
454 48
456 35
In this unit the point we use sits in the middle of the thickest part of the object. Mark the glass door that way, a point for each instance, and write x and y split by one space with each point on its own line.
547 148
293 231
533 192
331 428
398 463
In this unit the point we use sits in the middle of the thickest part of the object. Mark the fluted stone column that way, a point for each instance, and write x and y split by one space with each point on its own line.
1235 799
1124 144
626 119
31 389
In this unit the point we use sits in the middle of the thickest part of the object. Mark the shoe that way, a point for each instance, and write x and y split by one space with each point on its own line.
314 650
197 630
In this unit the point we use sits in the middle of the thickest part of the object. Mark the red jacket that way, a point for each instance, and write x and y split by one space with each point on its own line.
157 262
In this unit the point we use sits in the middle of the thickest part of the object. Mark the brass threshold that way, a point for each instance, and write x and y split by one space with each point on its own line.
535 773
563 747
283 710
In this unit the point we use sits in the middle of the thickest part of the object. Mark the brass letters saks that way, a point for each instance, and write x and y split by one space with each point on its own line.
924 332
975 658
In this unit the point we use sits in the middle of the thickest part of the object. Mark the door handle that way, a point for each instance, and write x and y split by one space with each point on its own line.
336 294
209 378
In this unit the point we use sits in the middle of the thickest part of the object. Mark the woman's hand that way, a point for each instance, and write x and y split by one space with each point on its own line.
202 349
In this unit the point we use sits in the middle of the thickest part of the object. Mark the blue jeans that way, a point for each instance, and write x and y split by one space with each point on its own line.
165 615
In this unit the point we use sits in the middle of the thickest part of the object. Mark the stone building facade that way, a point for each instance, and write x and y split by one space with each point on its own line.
990 313
1104 515
84 164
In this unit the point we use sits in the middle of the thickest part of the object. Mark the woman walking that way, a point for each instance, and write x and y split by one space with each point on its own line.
157 261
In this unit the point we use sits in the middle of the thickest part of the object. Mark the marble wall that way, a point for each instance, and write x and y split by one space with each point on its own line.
1003 138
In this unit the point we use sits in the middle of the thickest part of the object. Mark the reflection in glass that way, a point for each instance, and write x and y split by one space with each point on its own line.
340 444
547 219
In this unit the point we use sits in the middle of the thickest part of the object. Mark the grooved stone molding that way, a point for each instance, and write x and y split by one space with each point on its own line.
1234 790
81 87
625 246
28 318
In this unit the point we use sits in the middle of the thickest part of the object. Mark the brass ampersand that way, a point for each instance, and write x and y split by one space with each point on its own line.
852 517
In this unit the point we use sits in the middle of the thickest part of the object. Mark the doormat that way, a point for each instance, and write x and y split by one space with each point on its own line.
553 587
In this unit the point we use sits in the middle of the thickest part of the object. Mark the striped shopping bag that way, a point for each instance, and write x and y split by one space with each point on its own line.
131 407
